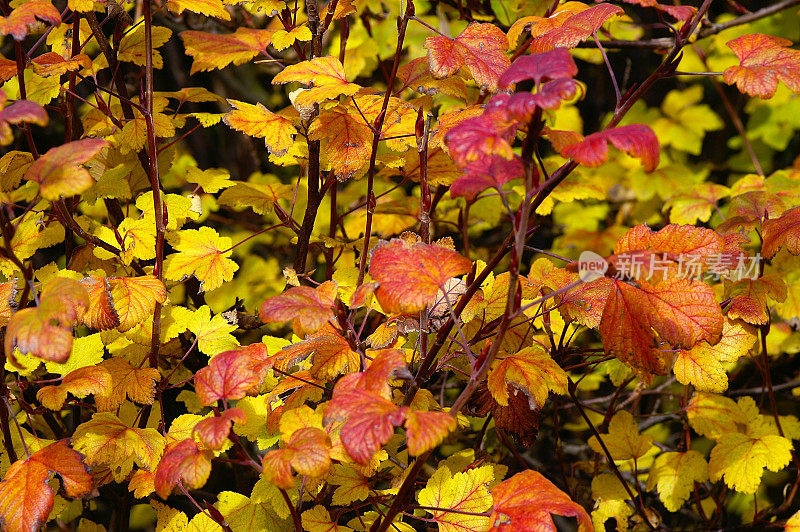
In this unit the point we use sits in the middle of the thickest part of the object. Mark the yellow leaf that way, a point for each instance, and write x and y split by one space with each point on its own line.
284 39
324 75
138 384
740 460
318 519
212 8
107 441
202 253
531 371
212 333
258 121
623 440
86 351
674 475
211 180
257 196
132 47
465 491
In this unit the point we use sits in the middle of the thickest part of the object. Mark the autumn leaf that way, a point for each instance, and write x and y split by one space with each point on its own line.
202 253
107 441
570 28
52 64
749 297
26 497
24 17
308 308
480 48
318 519
486 172
763 61
526 502
678 12
214 431
463 492
329 351
213 51
8 293
82 382
258 196
781 232
58 171
416 75
674 474
530 371
325 77
19 112
348 140
426 430
212 8
307 452
623 440
740 459
637 140
258 121
136 383
410 275
122 302
226 377
184 462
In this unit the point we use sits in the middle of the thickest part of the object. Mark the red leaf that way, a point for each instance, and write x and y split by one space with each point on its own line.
575 28
227 376
763 61
550 65
783 232
484 173
21 111
214 431
308 308
23 18
526 500
491 133
480 48
410 275
677 12
636 140
185 462
307 451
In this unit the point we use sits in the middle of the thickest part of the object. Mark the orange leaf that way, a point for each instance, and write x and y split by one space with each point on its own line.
426 430
570 28
749 298
19 112
23 18
184 462
783 232
526 500
227 376
52 64
122 302
258 121
308 452
330 353
671 239
763 61
636 140
214 431
308 308
211 51
138 384
325 77
681 312
58 171
25 496
480 48
348 140
8 291
90 380
410 275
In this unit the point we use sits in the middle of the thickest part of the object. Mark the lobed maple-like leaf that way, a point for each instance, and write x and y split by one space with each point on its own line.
26 498
763 61
308 308
781 232
489 134
674 474
214 431
325 77
416 74
307 451
637 140
480 48
526 502
678 12
740 459
448 494
623 440
486 172
568 28
227 376
107 441
122 302
530 371
52 64
19 112
135 383
90 380
330 354
212 51
426 430
24 17
212 8
260 197
59 171
202 253
749 298
184 462
411 274
258 121
348 140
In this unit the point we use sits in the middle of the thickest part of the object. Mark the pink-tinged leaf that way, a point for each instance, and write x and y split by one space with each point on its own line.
308 308
488 134
553 64
637 140
672 239
24 18
58 171
480 48
214 431
19 112
410 274
52 64
185 462
763 61
783 232
677 12
575 28
485 173
227 376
